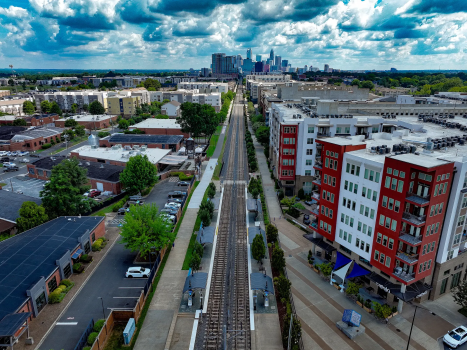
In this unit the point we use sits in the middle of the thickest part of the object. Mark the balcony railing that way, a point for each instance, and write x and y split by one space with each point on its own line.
324 134
318 165
411 239
315 195
317 181
318 156
405 276
417 198
414 219
409 258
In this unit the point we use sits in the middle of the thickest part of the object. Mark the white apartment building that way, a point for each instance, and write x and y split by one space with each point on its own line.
13 107
181 96
204 87
65 99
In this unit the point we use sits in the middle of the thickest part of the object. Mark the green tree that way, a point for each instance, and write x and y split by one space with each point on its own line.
138 174
55 108
271 233
68 134
63 195
278 260
208 206
195 262
74 108
325 268
148 83
96 108
70 123
45 106
30 216
123 124
460 295
19 122
282 285
296 333
255 193
262 134
352 288
205 217
355 82
145 230
198 119
28 107
367 85
85 107
80 130
258 250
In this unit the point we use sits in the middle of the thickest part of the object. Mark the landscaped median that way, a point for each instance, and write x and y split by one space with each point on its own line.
59 293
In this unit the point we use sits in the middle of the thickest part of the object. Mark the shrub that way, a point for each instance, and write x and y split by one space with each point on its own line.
76 267
326 269
54 298
87 348
92 338
46 145
352 288
146 191
98 325
382 311
282 286
271 233
96 246
280 194
66 282
62 287
278 260
115 207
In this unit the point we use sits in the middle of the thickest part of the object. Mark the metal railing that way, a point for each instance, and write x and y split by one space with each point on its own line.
414 218
83 340
324 134
410 194
412 239
409 258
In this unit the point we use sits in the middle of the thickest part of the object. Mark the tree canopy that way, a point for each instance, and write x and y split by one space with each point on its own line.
55 108
96 108
258 249
123 124
138 174
45 106
28 107
19 122
63 195
198 119
31 215
70 123
152 83
145 229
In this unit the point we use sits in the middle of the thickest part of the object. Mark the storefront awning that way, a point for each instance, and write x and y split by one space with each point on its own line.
206 235
11 324
173 160
77 254
320 243
252 204
413 291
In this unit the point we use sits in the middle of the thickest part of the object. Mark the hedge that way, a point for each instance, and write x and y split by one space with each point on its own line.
92 338
98 325
46 145
182 176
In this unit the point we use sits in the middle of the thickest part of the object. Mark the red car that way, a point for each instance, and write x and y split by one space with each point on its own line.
94 193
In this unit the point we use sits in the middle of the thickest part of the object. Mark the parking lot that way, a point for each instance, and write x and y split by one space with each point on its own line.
29 186
159 194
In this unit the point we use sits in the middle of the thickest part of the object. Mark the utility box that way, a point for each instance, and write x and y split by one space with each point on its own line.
129 331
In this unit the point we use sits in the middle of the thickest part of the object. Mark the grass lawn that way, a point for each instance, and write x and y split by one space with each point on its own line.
213 141
189 251
2 184
104 211
217 170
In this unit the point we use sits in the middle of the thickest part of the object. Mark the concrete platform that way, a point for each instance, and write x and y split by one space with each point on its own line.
350 332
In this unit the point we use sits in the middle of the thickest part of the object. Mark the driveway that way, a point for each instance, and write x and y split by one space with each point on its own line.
107 282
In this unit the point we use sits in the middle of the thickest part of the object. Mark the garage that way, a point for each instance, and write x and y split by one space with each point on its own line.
100 186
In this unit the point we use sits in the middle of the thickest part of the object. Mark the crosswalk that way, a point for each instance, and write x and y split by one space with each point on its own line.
173 179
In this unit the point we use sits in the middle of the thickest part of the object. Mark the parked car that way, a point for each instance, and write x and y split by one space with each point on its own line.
12 168
22 154
34 155
168 217
456 337
94 193
170 211
175 200
122 211
14 154
5 160
9 164
172 205
183 183
137 272
24 160
306 219
3 153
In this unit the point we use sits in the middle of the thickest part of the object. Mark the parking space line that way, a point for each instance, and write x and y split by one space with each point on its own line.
142 287
126 297
66 323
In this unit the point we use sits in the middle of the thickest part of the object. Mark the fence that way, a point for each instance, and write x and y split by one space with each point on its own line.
83 341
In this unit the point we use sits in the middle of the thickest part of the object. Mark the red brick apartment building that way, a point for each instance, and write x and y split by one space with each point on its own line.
35 262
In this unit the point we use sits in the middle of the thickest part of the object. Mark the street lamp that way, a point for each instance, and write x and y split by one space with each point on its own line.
413 320
103 310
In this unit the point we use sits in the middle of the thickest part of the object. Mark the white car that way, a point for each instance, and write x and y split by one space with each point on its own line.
137 272
8 164
22 154
456 337
24 160
172 205
3 153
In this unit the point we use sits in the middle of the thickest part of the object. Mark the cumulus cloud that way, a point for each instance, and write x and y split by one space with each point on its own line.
176 33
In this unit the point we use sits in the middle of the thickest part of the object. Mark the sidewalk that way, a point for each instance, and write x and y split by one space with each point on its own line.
319 305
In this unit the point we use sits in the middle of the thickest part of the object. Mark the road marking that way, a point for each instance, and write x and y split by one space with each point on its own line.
131 287
66 323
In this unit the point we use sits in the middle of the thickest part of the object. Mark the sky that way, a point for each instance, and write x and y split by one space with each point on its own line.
182 34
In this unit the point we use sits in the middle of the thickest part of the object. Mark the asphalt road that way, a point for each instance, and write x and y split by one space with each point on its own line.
107 282
159 194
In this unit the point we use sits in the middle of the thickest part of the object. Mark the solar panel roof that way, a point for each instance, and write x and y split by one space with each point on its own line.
26 257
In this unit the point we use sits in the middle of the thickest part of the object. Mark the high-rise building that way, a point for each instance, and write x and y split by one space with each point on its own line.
222 64
259 66
205 72
285 63
249 54
258 58
326 68
306 68
217 62
278 61
271 55
239 61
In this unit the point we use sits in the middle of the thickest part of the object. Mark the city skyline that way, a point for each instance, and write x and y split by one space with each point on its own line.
149 34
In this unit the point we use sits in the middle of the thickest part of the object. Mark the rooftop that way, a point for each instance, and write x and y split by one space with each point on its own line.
90 117
31 255
120 154
10 102
152 123
145 139
35 132
8 132
11 203
96 170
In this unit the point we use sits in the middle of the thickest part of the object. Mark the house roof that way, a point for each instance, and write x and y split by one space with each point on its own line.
8 132
37 132
174 103
96 170
11 202
145 138
31 255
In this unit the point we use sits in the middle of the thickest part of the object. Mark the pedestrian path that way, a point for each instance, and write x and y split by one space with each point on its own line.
319 305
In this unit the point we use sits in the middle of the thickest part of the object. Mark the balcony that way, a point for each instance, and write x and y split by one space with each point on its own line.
318 156
318 165
406 277
315 195
414 219
324 134
317 181
408 258
417 199
410 239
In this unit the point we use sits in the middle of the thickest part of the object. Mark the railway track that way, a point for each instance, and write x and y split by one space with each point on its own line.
226 325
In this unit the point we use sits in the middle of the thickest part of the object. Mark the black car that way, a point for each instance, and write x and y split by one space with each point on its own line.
12 168
183 183
5 160
306 219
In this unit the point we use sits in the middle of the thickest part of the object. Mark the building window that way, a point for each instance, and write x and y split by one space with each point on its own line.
307 172
455 280
443 286
52 284
388 261
41 302
67 271
309 152
376 255
309 141
311 129
308 162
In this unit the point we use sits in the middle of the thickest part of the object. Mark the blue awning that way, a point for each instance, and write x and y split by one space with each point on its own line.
77 254
260 281
358 271
341 260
